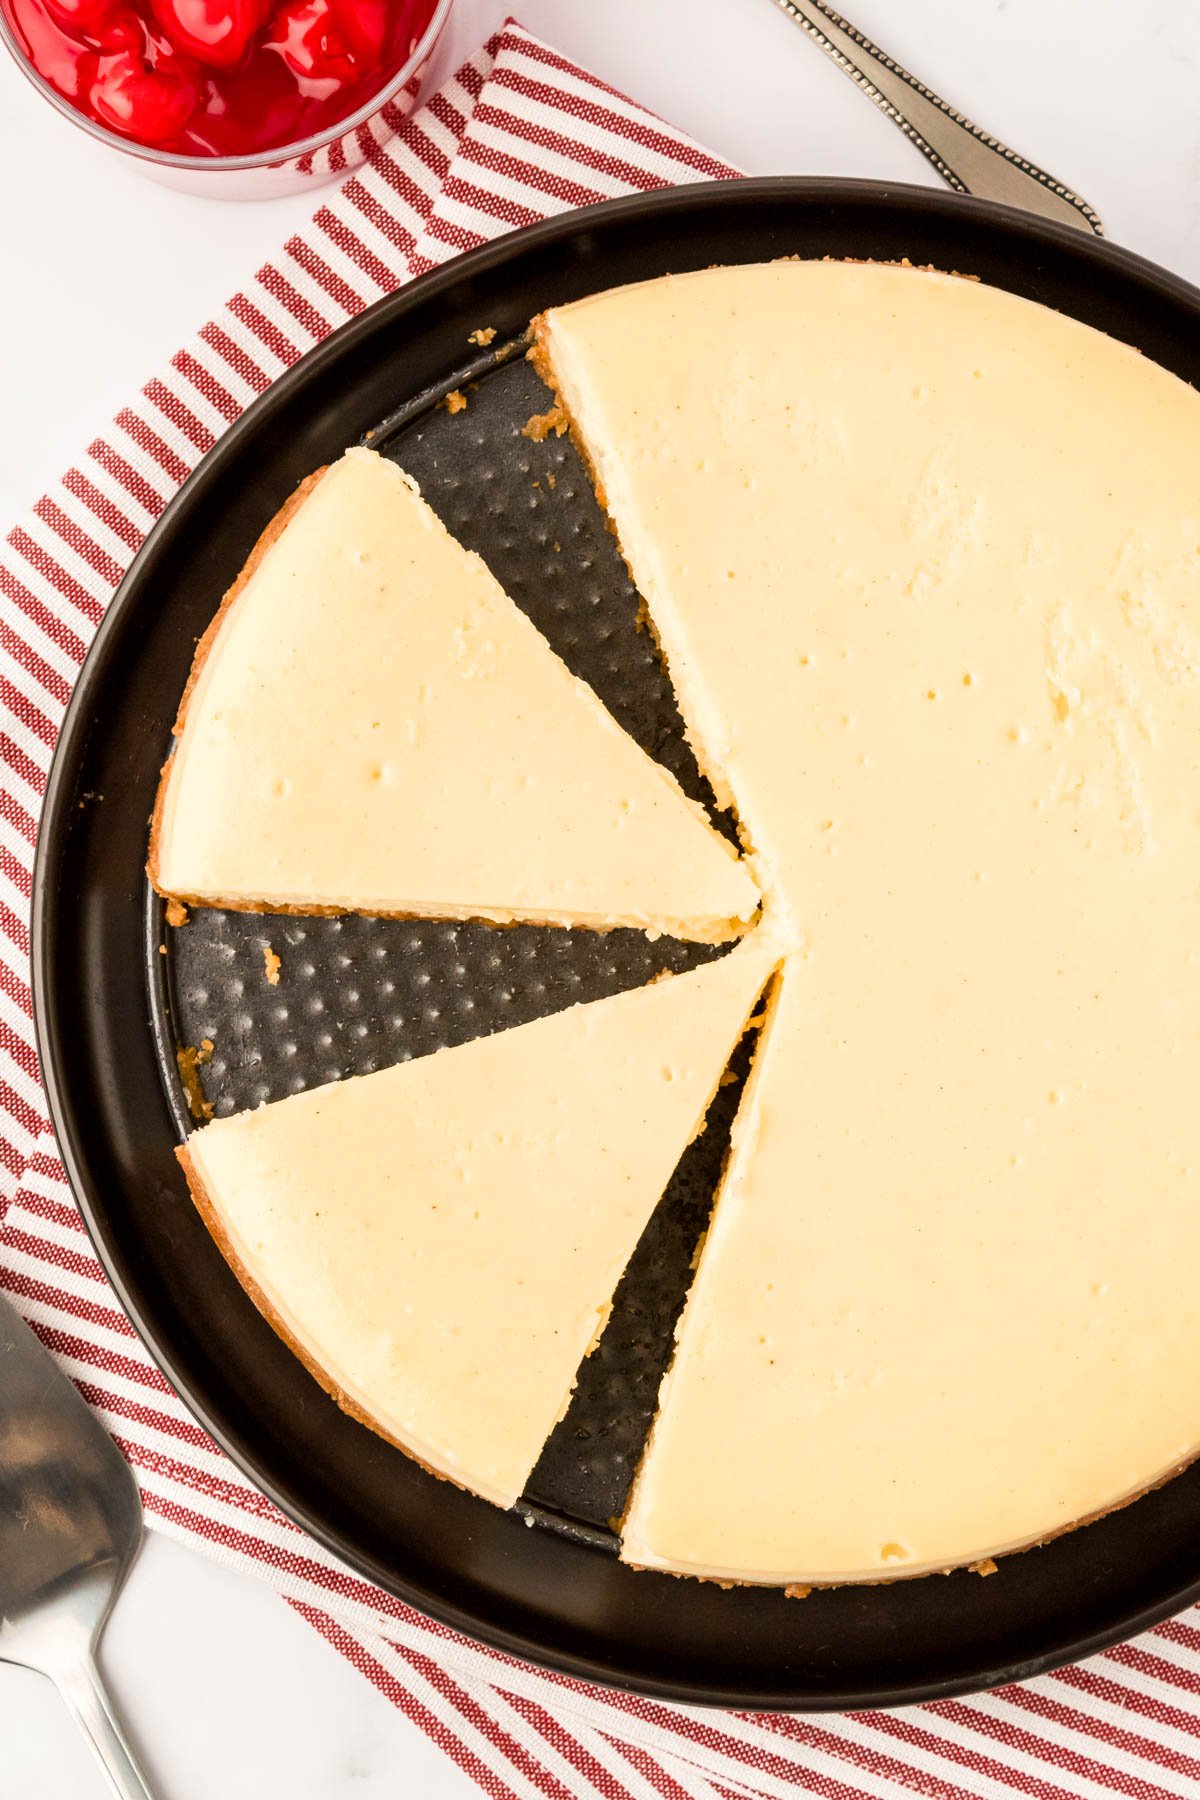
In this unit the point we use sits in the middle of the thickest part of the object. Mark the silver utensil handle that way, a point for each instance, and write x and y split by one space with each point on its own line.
81 1687
964 156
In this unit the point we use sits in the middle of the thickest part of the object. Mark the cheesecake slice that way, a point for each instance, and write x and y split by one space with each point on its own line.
924 559
373 726
440 1241
960 1365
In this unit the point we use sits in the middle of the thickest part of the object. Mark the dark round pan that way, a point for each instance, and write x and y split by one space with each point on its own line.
555 1597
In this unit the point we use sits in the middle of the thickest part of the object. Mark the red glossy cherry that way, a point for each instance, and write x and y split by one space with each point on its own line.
140 102
308 36
64 62
215 32
258 102
82 18
365 25
123 31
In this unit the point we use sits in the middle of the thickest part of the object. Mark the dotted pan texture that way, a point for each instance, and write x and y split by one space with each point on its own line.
353 995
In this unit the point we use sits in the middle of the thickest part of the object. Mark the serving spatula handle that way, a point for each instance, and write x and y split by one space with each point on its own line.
80 1684
965 157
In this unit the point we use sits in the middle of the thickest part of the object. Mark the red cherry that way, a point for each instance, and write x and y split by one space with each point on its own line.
124 31
82 18
66 65
365 26
309 38
257 104
215 32
138 101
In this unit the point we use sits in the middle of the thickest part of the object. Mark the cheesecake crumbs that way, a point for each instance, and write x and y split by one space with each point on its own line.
796 1592
483 336
986 1567
271 962
190 1062
455 401
177 913
552 482
541 425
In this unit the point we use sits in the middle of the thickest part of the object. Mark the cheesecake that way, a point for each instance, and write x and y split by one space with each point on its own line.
924 562
373 726
440 1241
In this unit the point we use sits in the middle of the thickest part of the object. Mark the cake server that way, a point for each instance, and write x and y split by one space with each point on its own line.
70 1526
965 157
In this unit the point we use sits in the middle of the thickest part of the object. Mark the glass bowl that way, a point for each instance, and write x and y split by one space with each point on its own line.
264 174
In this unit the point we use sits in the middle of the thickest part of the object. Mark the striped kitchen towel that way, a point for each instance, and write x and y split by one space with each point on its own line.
519 133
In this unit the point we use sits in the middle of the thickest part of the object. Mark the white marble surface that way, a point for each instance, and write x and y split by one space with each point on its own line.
227 1691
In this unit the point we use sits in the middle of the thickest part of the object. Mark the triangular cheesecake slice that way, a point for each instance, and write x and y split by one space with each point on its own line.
908 1380
373 726
439 1241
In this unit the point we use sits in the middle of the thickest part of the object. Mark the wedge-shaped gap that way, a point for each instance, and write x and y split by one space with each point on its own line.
583 1477
354 994
499 1189
526 504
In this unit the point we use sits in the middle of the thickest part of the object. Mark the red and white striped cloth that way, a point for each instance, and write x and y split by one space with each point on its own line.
518 133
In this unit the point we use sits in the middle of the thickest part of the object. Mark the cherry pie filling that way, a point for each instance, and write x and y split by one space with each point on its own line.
218 77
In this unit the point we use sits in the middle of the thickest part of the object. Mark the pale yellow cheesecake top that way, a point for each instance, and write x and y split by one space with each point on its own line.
441 1239
924 559
376 727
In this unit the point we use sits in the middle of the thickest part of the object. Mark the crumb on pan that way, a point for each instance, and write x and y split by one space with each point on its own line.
986 1567
455 401
483 336
190 1061
542 424
271 963
177 913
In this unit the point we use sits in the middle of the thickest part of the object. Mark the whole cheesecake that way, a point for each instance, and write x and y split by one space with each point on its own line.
923 560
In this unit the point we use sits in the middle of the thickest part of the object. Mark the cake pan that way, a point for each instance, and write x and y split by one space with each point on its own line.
356 994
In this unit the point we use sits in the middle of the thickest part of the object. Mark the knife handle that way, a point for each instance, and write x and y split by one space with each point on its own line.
964 156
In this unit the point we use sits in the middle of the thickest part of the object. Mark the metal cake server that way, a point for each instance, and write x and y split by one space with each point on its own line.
965 157
70 1526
